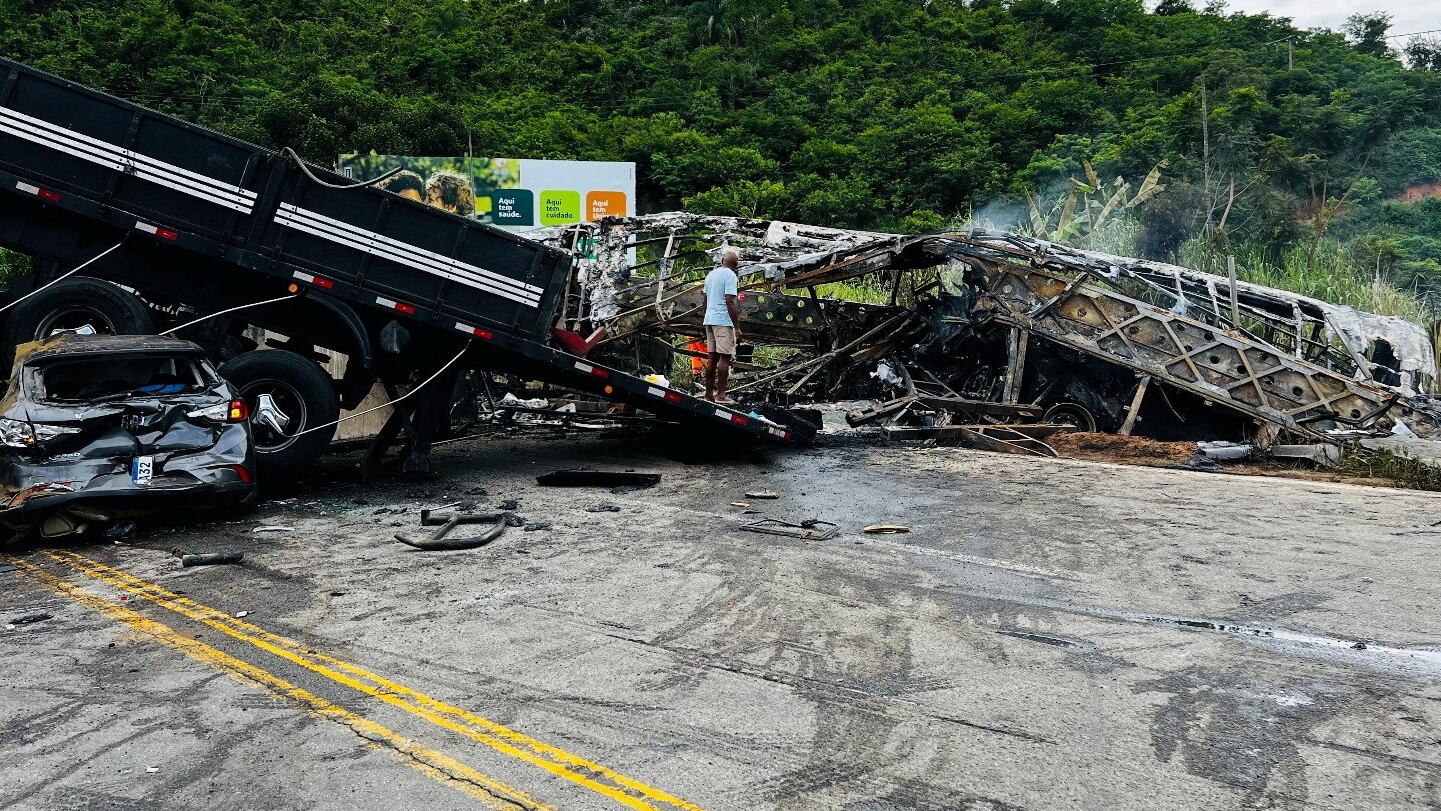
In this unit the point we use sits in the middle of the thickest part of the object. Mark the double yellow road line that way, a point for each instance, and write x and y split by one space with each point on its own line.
627 791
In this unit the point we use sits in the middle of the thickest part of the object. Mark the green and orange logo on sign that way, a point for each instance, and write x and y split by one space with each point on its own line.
559 207
602 204
507 192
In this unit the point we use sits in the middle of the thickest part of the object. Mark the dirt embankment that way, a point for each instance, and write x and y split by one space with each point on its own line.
1135 450
1125 450
1419 192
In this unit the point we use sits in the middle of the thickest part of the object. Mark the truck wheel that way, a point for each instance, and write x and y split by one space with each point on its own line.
74 304
287 395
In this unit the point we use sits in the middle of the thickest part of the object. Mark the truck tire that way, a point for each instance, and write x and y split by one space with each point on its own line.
74 303
287 394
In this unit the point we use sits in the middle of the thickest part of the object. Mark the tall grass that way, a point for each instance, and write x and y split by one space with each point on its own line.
1337 276
1117 236
1382 463
866 290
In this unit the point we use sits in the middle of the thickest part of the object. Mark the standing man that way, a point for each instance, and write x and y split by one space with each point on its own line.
722 330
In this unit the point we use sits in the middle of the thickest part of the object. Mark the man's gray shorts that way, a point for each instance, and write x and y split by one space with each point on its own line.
720 340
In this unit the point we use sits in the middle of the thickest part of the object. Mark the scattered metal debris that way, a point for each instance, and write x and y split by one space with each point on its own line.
1324 455
886 529
985 328
1225 451
812 529
763 494
210 559
597 478
439 540
28 619
1022 439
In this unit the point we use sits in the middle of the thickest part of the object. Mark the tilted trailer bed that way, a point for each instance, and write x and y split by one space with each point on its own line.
205 222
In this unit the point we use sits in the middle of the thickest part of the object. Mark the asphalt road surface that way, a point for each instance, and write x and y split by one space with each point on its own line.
1050 634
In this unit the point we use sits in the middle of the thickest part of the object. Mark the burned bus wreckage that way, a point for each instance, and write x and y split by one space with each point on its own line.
997 338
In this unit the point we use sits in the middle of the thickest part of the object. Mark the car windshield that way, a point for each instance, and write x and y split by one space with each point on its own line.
111 377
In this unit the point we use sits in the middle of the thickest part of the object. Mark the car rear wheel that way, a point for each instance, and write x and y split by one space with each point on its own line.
288 396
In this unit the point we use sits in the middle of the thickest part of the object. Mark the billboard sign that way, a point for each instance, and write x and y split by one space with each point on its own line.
514 193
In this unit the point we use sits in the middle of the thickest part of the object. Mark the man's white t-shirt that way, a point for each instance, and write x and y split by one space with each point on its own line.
719 283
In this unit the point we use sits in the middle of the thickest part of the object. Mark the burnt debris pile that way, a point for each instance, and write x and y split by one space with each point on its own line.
989 337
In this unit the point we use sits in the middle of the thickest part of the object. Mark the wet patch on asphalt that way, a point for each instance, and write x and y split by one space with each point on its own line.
1247 734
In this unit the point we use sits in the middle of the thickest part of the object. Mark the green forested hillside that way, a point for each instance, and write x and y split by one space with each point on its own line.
888 114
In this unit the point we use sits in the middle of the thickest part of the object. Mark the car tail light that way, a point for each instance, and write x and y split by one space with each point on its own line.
236 410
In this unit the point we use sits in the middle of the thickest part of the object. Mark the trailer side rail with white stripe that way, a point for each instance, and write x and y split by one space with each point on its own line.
210 222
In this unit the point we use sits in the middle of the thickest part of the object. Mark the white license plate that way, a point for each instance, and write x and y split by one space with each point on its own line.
141 469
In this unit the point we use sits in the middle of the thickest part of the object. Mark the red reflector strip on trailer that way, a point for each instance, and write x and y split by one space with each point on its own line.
672 396
783 434
738 419
163 233
483 334
408 309
589 369
318 281
43 194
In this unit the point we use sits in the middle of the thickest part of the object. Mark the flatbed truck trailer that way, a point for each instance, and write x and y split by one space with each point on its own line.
187 221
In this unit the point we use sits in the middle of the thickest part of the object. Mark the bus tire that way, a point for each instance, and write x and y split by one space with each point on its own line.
287 395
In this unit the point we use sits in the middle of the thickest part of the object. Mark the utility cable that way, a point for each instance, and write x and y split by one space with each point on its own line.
293 155
230 310
427 381
63 276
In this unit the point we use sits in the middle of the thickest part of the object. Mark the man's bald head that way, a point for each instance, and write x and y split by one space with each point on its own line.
731 259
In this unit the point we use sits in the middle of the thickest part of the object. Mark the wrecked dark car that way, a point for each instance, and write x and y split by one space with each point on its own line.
99 428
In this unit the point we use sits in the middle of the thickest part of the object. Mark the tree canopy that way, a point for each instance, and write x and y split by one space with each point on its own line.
884 114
